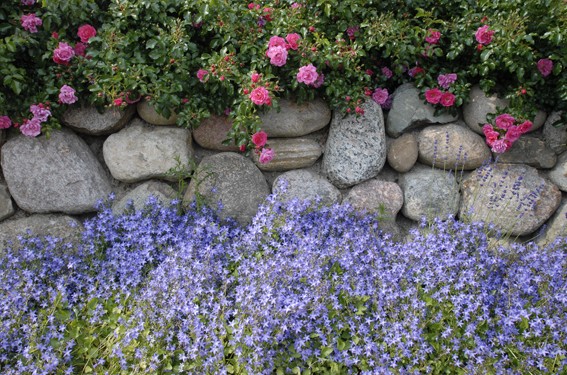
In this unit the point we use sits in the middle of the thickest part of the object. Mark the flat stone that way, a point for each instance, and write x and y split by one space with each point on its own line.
296 120
139 196
512 196
212 132
452 146
403 152
409 112
555 136
290 153
480 105
375 196
558 175
234 181
429 193
6 206
88 120
141 151
356 147
556 226
303 184
147 112
59 174
530 151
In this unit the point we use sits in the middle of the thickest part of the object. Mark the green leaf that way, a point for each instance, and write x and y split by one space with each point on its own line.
326 351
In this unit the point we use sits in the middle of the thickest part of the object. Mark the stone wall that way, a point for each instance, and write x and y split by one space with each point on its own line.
403 164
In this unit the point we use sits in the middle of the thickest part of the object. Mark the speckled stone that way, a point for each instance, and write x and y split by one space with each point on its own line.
530 151
88 120
290 153
147 112
558 175
382 197
403 152
212 132
296 120
555 136
303 184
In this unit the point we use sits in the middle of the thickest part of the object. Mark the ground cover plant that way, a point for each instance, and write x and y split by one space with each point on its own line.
304 289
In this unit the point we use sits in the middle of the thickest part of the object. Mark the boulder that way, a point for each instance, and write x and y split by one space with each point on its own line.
556 226
530 151
303 184
555 135
6 206
296 120
409 111
512 196
141 151
375 196
452 146
59 174
232 180
139 196
356 147
290 153
212 132
403 152
147 112
429 193
89 120
558 175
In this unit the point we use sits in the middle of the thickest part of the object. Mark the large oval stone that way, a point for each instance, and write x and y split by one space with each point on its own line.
6 206
554 133
514 197
356 147
382 197
89 120
453 147
59 174
290 153
138 197
296 120
558 175
403 152
212 132
531 151
232 180
147 112
303 184
556 226
141 151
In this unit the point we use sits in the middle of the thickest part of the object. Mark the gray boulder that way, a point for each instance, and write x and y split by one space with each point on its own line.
303 184
512 196
147 112
558 175
141 151
556 226
59 174
403 152
356 147
88 120
409 111
296 120
382 197
290 153
212 132
555 136
530 151
232 180
6 206
139 196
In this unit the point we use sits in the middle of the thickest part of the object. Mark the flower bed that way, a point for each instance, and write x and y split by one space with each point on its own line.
303 289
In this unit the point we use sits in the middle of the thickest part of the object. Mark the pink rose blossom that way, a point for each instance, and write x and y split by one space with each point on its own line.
118 102
525 126
260 138
80 49
433 36
490 134
67 95
500 146
31 128
255 77
433 96
504 121
86 32
445 80
447 99
295 5
484 35
28 2
5 122
319 81
40 112
276 41
292 40
30 22
63 54
380 95
415 71
386 72
201 73
260 95
307 74
277 55
545 67
266 155
513 134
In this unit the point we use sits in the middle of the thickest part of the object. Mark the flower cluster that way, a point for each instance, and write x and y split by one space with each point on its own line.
30 22
505 132
32 128
259 139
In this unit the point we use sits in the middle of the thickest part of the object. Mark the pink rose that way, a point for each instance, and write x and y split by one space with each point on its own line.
433 96
28 2
80 49
319 81
63 54
86 32
500 146
31 128
484 35
445 80
513 134
415 71
292 40
380 95
276 41
307 74
447 99
386 72
260 95
30 22
489 132
260 138
295 5
255 77
433 36
201 73
277 55
266 155
545 67
67 95
40 112
118 102
5 122
525 126
504 121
